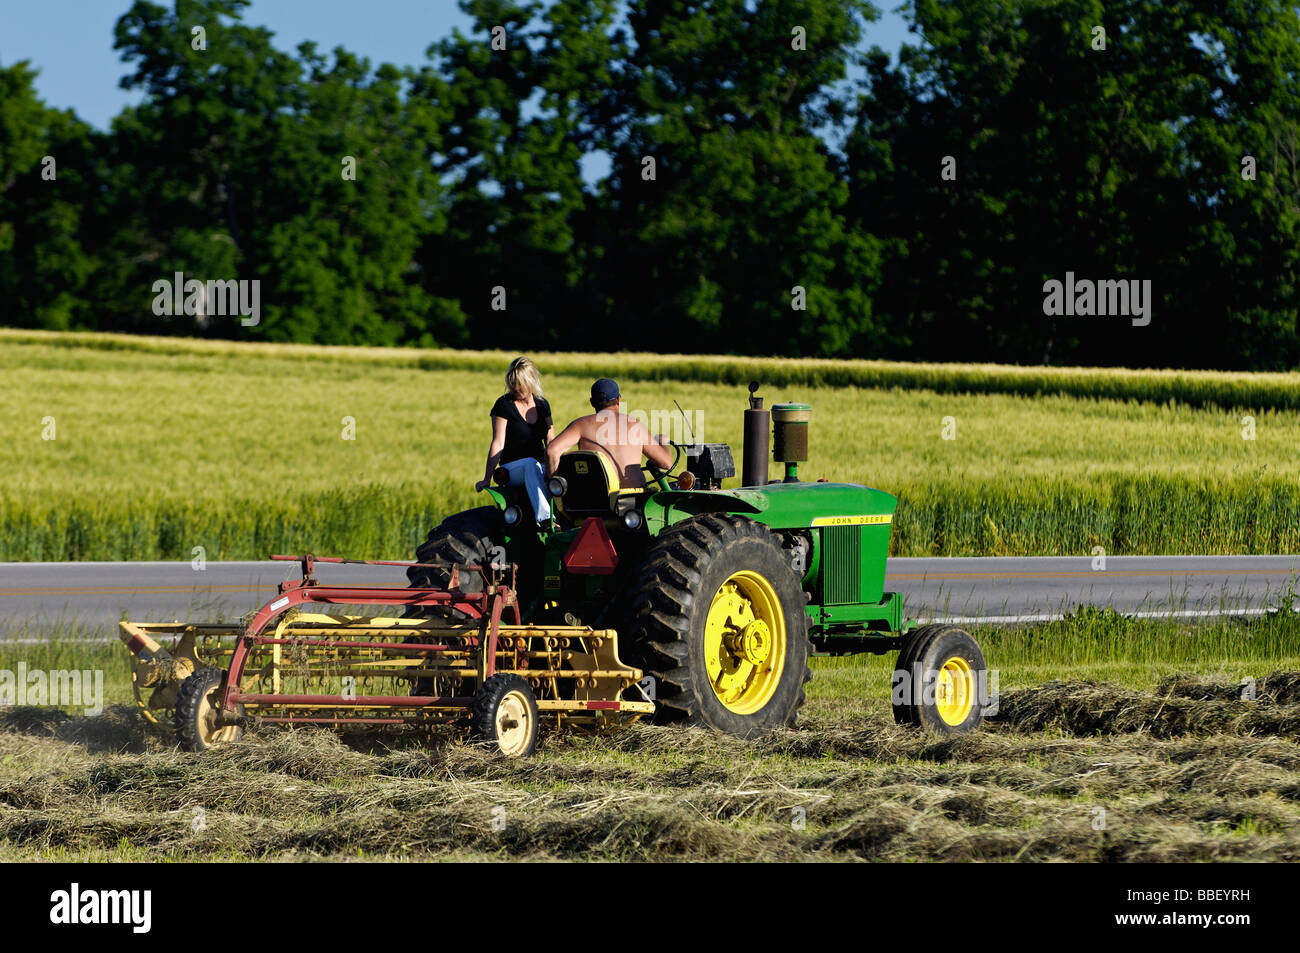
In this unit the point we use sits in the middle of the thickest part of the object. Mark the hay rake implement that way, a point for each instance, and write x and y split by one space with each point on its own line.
458 655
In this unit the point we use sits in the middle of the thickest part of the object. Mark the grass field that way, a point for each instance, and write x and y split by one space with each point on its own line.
1115 740
164 445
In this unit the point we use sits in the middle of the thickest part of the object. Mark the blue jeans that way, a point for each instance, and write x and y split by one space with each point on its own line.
528 474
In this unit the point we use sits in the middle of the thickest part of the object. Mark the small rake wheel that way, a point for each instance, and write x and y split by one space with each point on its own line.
195 716
505 716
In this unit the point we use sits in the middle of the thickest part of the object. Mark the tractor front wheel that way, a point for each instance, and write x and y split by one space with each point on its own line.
941 681
195 716
718 621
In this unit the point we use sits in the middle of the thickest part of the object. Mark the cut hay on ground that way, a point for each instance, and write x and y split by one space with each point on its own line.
1079 771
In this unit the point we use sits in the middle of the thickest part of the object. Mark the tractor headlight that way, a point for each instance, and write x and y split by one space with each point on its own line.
632 519
511 515
557 486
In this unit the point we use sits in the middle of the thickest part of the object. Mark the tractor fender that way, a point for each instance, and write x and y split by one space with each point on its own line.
498 498
712 501
671 506
779 505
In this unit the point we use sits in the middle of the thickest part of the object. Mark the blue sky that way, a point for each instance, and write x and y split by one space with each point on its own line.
71 41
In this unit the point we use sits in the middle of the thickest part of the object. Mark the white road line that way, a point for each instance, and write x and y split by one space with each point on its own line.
1058 616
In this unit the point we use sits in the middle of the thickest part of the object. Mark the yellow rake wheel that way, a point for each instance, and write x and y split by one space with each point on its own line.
196 712
505 716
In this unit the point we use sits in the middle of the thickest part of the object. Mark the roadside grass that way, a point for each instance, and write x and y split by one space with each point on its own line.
161 446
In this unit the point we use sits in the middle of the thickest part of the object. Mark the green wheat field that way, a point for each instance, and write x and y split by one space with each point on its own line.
161 445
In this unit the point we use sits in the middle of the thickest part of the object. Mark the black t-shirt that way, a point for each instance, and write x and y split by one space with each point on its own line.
522 438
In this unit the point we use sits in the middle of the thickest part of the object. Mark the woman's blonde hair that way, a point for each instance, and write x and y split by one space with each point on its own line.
524 376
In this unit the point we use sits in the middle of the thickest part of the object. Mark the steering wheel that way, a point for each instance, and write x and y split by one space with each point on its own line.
661 476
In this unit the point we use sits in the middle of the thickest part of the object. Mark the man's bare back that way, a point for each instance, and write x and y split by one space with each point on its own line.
624 439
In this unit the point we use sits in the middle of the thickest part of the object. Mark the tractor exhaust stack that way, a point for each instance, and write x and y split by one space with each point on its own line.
758 427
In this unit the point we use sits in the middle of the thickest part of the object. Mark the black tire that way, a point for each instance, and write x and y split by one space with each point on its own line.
901 694
684 571
500 700
192 718
947 702
466 538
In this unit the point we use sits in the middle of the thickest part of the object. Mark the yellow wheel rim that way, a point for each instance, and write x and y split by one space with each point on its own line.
744 642
514 724
954 695
210 733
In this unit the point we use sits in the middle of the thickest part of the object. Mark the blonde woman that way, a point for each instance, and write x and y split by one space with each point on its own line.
521 429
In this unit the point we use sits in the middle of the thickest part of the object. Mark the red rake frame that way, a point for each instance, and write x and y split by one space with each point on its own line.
487 606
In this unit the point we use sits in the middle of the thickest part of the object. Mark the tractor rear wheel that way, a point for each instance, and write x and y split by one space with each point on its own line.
717 619
941 681
505 715
195 715
463 539
467 538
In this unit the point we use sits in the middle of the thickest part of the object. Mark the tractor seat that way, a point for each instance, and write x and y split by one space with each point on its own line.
594 488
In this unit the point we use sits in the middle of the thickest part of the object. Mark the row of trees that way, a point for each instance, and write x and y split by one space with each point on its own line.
769 184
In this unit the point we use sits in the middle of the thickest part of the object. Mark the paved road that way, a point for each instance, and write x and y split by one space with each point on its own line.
90 598
1020 589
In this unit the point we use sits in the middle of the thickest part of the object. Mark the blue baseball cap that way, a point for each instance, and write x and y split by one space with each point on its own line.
604 390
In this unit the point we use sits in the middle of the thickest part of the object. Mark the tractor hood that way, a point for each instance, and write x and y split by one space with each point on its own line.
784 505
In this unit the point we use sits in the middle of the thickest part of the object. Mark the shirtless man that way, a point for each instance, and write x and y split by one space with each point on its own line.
622 437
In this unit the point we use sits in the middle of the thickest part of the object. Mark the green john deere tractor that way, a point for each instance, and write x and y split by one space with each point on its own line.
719 594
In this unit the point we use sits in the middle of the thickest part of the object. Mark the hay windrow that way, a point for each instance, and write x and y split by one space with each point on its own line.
1281 688
1091 708
117 728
